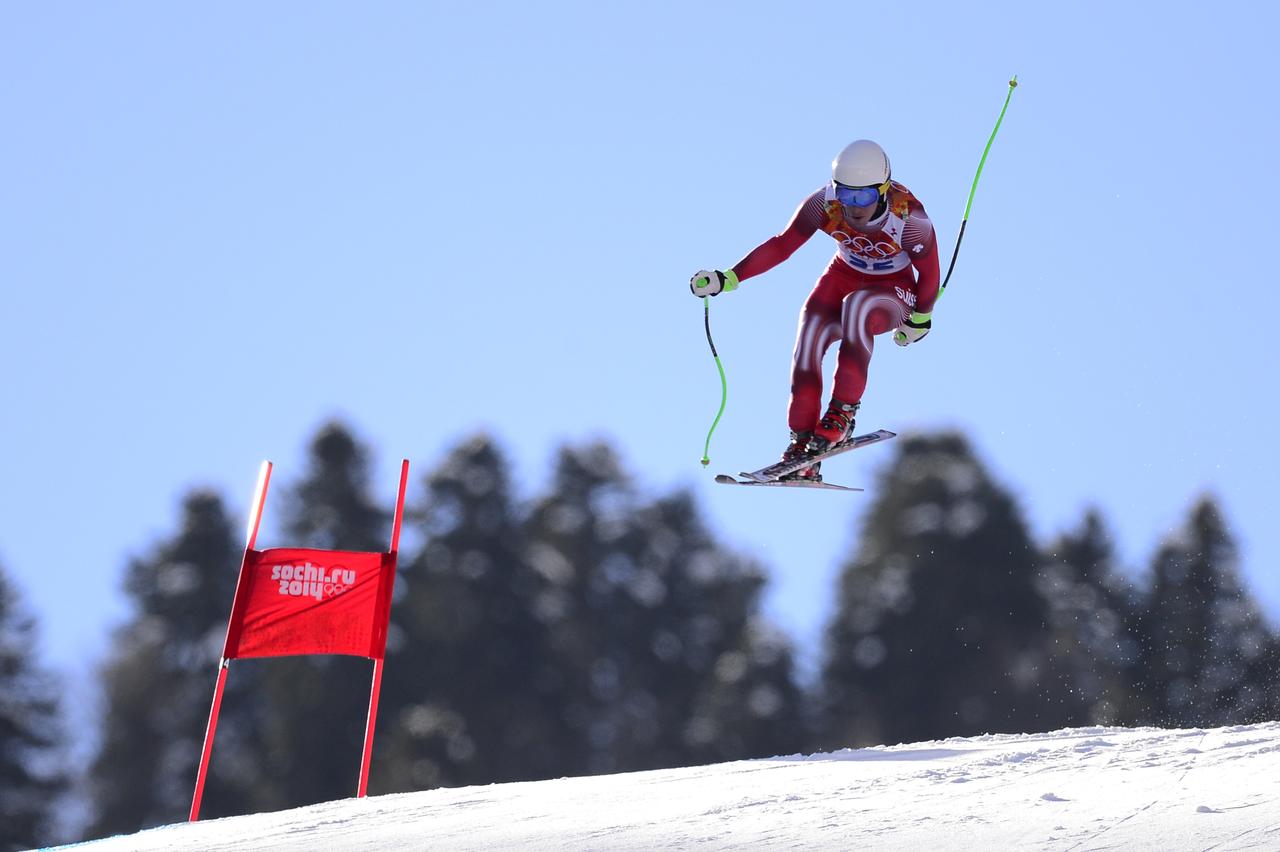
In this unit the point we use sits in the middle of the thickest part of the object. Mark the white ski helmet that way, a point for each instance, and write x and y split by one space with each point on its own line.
861 163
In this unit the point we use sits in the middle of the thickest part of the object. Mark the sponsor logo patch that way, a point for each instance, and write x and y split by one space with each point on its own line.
314 581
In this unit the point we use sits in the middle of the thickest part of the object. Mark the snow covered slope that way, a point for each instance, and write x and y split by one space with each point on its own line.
1081 789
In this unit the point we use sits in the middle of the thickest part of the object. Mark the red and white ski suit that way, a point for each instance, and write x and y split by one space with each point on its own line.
880 273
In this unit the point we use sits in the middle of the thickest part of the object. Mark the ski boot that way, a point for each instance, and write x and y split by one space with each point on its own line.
835 427
798 448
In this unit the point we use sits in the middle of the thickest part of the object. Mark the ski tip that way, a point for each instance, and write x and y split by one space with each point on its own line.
726 479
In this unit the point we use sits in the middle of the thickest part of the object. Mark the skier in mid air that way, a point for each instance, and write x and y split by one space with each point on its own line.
884 277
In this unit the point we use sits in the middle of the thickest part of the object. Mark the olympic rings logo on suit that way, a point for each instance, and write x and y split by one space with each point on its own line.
860 245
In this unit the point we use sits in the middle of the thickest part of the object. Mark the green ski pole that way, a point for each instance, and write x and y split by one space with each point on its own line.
724 385
1013 84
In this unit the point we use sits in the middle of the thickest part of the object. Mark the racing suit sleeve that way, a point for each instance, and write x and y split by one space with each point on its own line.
808 217
921 244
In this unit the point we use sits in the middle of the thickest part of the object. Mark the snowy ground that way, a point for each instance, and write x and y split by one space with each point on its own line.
1081 789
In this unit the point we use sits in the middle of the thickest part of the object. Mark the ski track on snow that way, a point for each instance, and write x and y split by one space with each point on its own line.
1078 790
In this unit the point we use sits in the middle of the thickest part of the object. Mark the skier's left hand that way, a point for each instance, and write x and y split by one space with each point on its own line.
914 329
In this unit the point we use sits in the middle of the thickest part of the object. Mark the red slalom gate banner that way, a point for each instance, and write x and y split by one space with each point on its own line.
294 601
299 601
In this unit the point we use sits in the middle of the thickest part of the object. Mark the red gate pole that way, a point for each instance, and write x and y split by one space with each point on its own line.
208 740
363 788
255 520
372 720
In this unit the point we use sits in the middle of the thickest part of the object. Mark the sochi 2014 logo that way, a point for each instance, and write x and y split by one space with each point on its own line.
313 581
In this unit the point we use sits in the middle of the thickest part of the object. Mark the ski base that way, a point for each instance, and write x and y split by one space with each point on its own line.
726 479
775 472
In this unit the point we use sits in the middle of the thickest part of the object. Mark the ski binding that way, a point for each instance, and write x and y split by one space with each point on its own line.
775 474
778 470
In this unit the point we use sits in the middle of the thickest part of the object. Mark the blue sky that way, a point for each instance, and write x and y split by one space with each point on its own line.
221 225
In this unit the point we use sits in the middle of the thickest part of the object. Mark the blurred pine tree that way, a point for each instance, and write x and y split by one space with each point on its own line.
32 738
654 627
939 629
1208 657
1094 610
470 690
158 682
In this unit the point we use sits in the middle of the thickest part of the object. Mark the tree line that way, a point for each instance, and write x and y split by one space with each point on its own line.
594 629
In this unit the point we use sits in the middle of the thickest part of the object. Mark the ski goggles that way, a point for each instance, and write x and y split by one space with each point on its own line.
859 196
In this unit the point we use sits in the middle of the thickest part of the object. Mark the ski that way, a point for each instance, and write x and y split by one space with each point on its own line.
726 479
774 472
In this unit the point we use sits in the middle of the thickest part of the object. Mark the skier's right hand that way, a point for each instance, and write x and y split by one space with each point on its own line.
709 282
